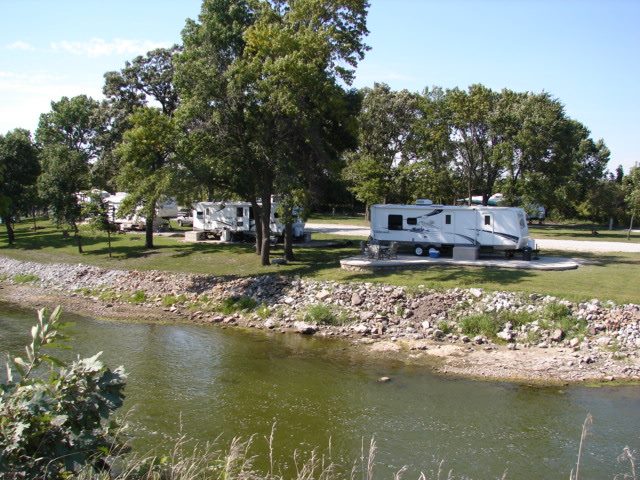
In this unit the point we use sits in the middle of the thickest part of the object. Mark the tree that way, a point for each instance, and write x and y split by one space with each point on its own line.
256 76
145 80
65 173
19 170
98 213
147 156
386 125
632 195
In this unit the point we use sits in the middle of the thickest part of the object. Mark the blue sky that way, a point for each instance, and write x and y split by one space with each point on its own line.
585 53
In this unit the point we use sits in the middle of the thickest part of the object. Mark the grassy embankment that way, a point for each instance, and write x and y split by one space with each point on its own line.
613 276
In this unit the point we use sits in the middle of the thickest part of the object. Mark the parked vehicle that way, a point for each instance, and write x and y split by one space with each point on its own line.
233 220
424 226
184 218
166 208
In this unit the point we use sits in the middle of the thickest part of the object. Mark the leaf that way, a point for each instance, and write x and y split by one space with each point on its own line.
59 420
20 365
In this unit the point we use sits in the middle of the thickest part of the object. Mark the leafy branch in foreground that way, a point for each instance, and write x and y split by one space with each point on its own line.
52 426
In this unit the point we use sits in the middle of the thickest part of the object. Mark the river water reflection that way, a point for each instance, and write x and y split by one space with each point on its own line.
227 383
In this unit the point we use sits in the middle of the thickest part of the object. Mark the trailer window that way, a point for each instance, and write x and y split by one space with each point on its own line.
395 222
487 219
199 214
250 213
447 219
239 212
412 221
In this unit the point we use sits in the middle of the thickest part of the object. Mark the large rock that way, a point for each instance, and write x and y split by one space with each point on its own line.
305 328
356 299
557 335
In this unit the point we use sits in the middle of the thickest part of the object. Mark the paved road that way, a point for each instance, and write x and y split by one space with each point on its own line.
543 243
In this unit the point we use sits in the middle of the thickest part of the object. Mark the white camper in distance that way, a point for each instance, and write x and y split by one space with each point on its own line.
231 220
166 208
424 225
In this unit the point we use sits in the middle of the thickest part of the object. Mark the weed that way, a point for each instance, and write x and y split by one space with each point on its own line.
325 315
517 319
236 304
533 337
555 311
170 300
263 311
445 327
139 296
480 324
25 278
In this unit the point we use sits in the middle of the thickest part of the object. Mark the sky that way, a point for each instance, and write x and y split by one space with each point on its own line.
586 53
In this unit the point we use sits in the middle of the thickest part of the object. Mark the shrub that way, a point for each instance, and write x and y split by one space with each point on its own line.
52 426
263 311
445 327
517 319
25 278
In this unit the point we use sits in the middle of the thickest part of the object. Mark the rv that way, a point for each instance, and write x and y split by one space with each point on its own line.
233 220
166 208
424 225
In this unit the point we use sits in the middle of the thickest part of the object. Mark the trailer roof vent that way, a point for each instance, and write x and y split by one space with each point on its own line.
424 201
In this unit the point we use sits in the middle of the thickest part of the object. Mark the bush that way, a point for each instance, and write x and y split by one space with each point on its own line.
54 426
170 300
139 296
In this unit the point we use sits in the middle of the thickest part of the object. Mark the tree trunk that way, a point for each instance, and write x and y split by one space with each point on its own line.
148 228
258 224
288 241
610 223
630 226
109 239
11 236
265 217
76 236
35 223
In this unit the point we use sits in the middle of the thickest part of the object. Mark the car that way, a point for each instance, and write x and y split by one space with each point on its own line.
184 219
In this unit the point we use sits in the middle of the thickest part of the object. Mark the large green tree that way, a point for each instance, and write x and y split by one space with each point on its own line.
631 184
386 126
147 163
19 170
259 76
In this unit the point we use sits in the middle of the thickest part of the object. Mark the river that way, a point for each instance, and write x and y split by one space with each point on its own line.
208 382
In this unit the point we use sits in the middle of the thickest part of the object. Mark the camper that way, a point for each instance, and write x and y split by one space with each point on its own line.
424 225
166 208
234 220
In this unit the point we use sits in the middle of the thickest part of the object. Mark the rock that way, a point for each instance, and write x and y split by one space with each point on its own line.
476 292
438 334
506 335
574 342
465 339
557 335
361 328
305 328
512 346
356 299
323 295
270 324
479 340
384 379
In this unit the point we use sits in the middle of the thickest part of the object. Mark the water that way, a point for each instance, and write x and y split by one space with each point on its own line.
209 382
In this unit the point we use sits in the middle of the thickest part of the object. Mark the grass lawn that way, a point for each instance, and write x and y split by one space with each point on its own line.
610 276
582 232
339 219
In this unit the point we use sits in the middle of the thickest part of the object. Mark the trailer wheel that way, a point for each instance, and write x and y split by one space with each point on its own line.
418 250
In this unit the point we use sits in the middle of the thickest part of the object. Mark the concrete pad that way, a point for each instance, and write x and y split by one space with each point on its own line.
361 263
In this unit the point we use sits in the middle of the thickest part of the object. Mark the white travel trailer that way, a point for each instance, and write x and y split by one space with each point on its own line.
424 225
167 208
231 220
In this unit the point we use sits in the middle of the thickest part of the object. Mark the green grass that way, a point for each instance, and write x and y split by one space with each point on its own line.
325 315
612 276
339 219
236 304
25 278
582 232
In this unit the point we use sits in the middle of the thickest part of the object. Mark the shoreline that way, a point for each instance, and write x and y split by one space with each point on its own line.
416 327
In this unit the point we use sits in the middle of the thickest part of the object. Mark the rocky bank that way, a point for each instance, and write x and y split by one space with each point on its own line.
466 332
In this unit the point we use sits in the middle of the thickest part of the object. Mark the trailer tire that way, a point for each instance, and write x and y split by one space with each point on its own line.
418 250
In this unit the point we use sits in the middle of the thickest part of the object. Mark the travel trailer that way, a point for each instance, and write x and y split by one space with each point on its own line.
166 208
424 225
233 220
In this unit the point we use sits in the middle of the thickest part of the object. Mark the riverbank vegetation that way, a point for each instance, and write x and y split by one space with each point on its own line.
608 276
